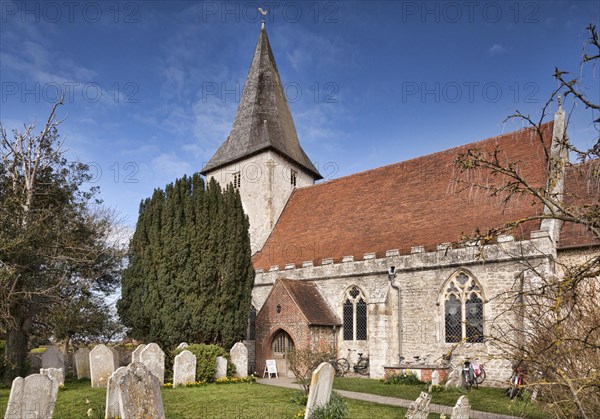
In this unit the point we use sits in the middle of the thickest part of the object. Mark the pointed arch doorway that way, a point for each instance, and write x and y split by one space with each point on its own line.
282 344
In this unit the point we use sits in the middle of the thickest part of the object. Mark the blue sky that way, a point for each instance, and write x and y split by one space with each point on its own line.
152 86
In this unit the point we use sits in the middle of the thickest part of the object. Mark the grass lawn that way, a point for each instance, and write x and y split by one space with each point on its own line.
209 401
487 399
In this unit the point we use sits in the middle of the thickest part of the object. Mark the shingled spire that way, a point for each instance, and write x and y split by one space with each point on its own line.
263 120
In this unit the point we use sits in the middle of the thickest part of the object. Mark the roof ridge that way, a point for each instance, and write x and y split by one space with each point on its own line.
431 155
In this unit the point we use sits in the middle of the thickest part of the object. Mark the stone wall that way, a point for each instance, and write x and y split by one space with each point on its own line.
421 277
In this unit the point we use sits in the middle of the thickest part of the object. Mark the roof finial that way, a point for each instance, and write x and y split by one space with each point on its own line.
264 13
560 103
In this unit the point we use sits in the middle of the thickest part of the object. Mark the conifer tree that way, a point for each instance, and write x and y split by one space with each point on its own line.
190 271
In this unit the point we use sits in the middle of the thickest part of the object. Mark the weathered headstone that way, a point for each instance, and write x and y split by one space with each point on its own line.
13 408
462 409
53 357
221 367
454 379
435 377
182 345
184 369
154 359
239 358
139 394
82 363
320 387
55 373
135 355
419 409
102 365
112 394
32 397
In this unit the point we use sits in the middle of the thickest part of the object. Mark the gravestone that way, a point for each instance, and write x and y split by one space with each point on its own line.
184 369
112 394
419 409
55 373
221 367
320 387
182 345
154 359
135 355
82 363
462 409
13 408
116 356
139 394
53 357
435 378
239 358
102 365
32 397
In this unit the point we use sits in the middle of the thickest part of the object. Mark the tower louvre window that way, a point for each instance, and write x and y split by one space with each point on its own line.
293 177
237 179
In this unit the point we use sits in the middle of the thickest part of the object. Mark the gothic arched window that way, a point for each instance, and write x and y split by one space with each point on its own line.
355 315
463 310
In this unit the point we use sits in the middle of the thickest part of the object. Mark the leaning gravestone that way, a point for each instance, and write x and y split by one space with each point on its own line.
112 394
13 408
184 369
82 363
102 365
221 367
53 357
135 355
239 358
154 359
320 387
182 345
419 409
139 394
462 409
32 397
55 373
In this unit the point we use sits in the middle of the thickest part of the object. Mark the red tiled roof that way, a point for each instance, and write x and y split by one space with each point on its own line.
405 204
581 188
311 302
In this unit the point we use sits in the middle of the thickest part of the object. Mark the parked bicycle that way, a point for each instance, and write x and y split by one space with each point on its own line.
471 374
517 382
361 366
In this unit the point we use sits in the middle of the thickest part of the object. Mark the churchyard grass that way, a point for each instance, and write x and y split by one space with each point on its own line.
207 401
486 399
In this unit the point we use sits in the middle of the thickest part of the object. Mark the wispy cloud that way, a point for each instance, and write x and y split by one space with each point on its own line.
497 49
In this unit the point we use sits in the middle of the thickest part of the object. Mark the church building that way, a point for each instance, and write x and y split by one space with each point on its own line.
374 262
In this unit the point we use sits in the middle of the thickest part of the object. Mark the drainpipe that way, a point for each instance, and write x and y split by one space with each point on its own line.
392 276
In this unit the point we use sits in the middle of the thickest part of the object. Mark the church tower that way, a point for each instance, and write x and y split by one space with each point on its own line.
262 156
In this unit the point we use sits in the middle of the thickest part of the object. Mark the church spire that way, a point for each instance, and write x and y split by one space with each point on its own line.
263 120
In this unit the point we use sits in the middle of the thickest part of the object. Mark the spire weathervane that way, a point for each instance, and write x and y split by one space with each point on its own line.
264 14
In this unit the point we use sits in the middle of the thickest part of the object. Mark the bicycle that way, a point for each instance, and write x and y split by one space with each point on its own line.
471 374
338 367
362 366
517 382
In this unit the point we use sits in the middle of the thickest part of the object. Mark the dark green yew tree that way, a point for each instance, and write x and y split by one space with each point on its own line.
190 272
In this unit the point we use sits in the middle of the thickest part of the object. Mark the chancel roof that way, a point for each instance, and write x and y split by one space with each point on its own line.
411 203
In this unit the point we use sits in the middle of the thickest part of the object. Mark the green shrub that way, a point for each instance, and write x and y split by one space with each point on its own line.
206 357
337 408
405 378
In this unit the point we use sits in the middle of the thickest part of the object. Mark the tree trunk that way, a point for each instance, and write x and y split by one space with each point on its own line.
17 339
